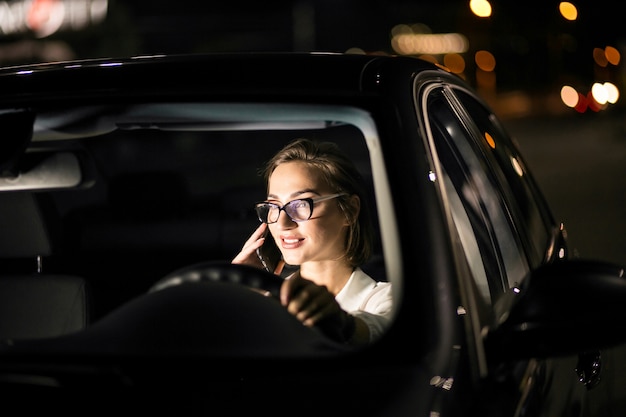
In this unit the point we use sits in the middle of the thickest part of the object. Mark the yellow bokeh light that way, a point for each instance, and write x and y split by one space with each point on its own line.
485 60
454 62
612 55
418 39
490 141
481 8
569 96
419 43
568 10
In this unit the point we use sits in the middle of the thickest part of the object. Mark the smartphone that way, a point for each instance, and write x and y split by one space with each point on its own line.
270 255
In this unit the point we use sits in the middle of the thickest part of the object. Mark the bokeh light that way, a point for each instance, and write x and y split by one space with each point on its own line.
606 56
612 92
417 39
599 93
490 141
517 166
598 98
604 93
46 18
454 62
569 96
612 55
481 8
568 10
485 60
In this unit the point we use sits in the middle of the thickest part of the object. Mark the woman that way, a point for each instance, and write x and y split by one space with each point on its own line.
316 212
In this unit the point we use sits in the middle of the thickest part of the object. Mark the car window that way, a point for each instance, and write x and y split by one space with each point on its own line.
175 184
513 179
477 203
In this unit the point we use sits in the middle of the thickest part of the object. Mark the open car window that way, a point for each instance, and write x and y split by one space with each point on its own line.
174 184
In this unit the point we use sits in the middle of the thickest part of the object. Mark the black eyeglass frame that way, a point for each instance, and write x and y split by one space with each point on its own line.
311 202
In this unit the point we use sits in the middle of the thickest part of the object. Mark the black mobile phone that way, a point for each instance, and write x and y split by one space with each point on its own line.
269 254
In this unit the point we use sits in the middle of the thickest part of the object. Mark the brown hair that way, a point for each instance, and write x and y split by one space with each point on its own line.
343 177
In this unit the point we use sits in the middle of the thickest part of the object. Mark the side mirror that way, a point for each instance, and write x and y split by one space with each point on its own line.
562 308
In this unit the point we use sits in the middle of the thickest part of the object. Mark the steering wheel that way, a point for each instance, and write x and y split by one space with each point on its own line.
258 279
213 271
197 310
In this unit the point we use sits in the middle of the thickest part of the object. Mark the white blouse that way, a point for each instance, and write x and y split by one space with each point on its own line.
369 300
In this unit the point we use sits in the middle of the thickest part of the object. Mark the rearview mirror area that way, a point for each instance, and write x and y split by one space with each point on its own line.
46 170
563 308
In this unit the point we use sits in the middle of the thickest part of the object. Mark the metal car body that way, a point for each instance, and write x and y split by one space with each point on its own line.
128 172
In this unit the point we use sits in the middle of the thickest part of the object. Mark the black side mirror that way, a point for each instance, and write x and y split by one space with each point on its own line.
562 308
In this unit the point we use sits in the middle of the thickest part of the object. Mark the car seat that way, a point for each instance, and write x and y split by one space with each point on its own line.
34 304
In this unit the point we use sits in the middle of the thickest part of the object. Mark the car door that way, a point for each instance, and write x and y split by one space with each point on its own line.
501 230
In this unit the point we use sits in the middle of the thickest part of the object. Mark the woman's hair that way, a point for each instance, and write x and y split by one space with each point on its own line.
342 176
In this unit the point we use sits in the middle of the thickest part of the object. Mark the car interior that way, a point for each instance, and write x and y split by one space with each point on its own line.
101 202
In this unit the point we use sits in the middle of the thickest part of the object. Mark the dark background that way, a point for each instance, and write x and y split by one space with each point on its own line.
579 159
535 47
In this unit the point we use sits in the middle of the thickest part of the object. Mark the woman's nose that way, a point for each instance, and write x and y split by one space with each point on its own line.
285 222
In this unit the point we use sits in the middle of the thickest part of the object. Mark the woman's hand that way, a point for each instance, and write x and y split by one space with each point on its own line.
314 305
247 255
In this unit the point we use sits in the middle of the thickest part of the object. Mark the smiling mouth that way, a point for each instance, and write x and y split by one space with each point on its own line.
290 242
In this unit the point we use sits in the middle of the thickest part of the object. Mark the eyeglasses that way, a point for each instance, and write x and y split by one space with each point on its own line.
298 210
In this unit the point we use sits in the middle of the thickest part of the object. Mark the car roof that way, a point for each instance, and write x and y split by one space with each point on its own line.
249 74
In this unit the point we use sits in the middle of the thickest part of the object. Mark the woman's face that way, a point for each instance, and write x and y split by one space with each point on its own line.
322 237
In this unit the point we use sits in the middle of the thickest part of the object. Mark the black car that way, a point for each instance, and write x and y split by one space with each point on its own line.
128 185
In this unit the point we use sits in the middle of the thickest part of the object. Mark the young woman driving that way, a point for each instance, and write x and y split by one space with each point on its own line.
316 212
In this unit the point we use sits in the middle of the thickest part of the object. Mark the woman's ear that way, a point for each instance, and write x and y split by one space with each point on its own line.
354 207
